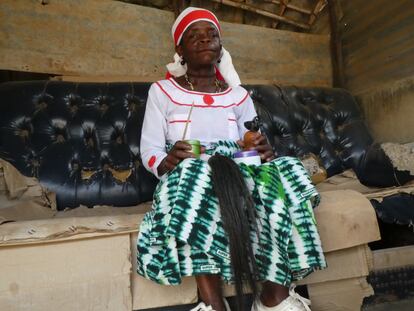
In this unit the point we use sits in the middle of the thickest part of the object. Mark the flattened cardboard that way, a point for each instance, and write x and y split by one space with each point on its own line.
23 211
3 187
54 230
346 180
15 183
345 218
393 257
380 194
91 274
147 294
70 224
70 244
349 181
16 189
343 264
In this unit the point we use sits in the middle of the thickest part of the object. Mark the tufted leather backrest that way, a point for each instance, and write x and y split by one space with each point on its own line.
323 121
82 139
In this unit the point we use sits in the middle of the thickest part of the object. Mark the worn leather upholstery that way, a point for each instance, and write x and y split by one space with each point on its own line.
82 139
323 121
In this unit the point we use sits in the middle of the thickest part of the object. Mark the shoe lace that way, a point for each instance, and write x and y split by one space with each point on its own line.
303 301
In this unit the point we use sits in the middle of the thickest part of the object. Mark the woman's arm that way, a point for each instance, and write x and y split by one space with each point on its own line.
153 138
246 112
154 130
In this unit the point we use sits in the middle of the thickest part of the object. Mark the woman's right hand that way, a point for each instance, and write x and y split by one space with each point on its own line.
180 151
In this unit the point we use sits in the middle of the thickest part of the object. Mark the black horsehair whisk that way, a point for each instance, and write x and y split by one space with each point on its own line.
238 217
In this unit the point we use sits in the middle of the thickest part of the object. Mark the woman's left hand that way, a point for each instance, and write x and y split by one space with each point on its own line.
262 146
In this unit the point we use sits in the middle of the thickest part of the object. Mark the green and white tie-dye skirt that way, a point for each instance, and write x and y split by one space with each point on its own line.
183 234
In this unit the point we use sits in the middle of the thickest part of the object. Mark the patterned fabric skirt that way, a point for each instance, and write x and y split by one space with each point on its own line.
183 235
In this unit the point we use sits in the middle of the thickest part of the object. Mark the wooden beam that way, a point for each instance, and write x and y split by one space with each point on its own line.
338 73
291 6
283 6
263 13
80 44
179 6
320 5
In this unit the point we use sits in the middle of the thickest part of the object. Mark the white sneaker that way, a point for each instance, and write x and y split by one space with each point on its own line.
226 304
202 306
294 302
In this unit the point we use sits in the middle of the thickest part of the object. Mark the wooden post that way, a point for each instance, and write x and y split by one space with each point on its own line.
338 74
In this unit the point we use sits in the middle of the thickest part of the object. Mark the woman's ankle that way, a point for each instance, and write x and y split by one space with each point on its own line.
271 301
273 294
209 291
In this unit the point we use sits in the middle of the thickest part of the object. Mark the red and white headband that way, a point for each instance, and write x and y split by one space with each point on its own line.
189 16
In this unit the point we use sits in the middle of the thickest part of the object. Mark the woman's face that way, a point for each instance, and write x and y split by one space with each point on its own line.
200 44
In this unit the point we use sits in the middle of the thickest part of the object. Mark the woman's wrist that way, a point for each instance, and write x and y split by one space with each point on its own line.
162 168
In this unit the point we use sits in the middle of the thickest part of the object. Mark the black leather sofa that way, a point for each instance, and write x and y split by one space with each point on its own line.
82 140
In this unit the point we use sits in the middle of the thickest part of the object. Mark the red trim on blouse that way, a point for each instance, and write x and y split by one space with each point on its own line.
201 106
180 121
151 161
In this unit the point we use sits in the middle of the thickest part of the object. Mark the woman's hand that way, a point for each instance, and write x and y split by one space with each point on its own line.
180 151
262 146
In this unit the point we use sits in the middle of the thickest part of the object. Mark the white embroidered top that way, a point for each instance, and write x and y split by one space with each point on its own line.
215 116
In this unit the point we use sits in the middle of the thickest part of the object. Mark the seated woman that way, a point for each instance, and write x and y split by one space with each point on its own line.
213 219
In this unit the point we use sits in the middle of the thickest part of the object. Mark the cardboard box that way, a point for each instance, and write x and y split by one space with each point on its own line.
342 295
354 262
147 294
391 258
345 218
343 264
348 180
87 275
